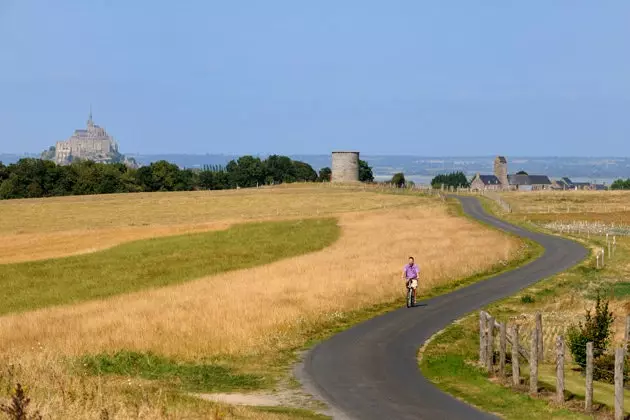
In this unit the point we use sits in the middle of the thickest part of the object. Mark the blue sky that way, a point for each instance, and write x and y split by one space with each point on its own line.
416 77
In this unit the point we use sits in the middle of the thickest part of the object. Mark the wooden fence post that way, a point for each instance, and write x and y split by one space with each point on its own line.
490 343
559 369
588 400
627 331
533 364
620 354
482 338
502 348
516 369
539 335
609 249
598 260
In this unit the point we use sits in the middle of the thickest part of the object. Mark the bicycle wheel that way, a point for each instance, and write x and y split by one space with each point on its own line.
409 297
413 299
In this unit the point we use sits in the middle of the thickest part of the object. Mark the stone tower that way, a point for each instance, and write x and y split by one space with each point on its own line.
345 167
501 170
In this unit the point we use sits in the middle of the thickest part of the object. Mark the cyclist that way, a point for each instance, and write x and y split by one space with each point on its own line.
410 274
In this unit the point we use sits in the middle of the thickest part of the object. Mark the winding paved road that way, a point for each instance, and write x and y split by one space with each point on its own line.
370 371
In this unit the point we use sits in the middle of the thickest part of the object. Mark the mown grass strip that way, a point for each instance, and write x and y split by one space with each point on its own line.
158 262
193 377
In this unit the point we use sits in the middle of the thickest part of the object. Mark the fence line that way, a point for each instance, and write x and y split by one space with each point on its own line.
505 206
487 325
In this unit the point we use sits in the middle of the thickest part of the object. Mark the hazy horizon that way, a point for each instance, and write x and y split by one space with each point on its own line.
399 78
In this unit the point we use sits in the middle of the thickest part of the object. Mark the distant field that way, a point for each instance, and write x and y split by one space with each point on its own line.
568 201
54 227
214 330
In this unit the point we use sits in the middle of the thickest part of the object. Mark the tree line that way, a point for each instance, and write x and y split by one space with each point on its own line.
621 184
455 180
34 178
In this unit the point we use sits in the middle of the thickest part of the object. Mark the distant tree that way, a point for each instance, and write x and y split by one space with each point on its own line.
398 180
207 179
165 176
246 171
279 169
455 179
325 174
620 184
365 172
304 172
144 178
9 188
4 173
522 173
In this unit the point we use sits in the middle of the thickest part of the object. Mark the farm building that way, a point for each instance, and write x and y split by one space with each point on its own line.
566 184
486 182
501 180
525 182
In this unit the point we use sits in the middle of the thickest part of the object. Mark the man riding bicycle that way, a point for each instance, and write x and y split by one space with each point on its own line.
410 274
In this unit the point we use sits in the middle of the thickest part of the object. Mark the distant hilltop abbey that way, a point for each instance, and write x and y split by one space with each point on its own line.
92 143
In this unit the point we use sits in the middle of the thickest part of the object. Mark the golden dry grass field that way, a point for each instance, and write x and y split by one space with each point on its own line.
36 229
531 202
247 319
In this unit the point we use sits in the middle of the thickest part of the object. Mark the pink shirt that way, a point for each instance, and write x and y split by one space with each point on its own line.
411 271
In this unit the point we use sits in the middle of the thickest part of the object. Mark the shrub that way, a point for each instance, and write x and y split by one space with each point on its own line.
595 329
527 299
18 407
604 368
398 180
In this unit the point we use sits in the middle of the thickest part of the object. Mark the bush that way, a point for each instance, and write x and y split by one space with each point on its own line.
527 299
595 329
398 180
365 172
604 368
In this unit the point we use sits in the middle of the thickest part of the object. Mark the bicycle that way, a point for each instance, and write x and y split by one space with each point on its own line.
411 296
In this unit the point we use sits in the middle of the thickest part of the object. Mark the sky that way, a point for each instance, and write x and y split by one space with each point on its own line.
467 77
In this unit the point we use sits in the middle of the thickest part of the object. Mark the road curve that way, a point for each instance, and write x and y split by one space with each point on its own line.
370 371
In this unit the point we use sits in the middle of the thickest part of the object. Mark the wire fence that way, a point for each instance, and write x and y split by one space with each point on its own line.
618 374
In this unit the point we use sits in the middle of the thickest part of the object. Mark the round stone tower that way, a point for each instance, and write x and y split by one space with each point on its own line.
345 167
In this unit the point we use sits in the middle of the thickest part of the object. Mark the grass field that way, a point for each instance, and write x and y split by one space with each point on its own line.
54 227
568 201
238 329
159 262
562 300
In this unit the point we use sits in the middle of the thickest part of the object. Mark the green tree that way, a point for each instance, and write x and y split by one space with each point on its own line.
279 169
455 179
4 172
595 329
304 172
246 171
365 172
325 174
620 184
522 173
398 180
165 176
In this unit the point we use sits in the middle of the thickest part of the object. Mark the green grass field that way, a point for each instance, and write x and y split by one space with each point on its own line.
447 363
158 262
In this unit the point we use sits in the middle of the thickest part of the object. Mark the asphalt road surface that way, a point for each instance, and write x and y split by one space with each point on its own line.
370 371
